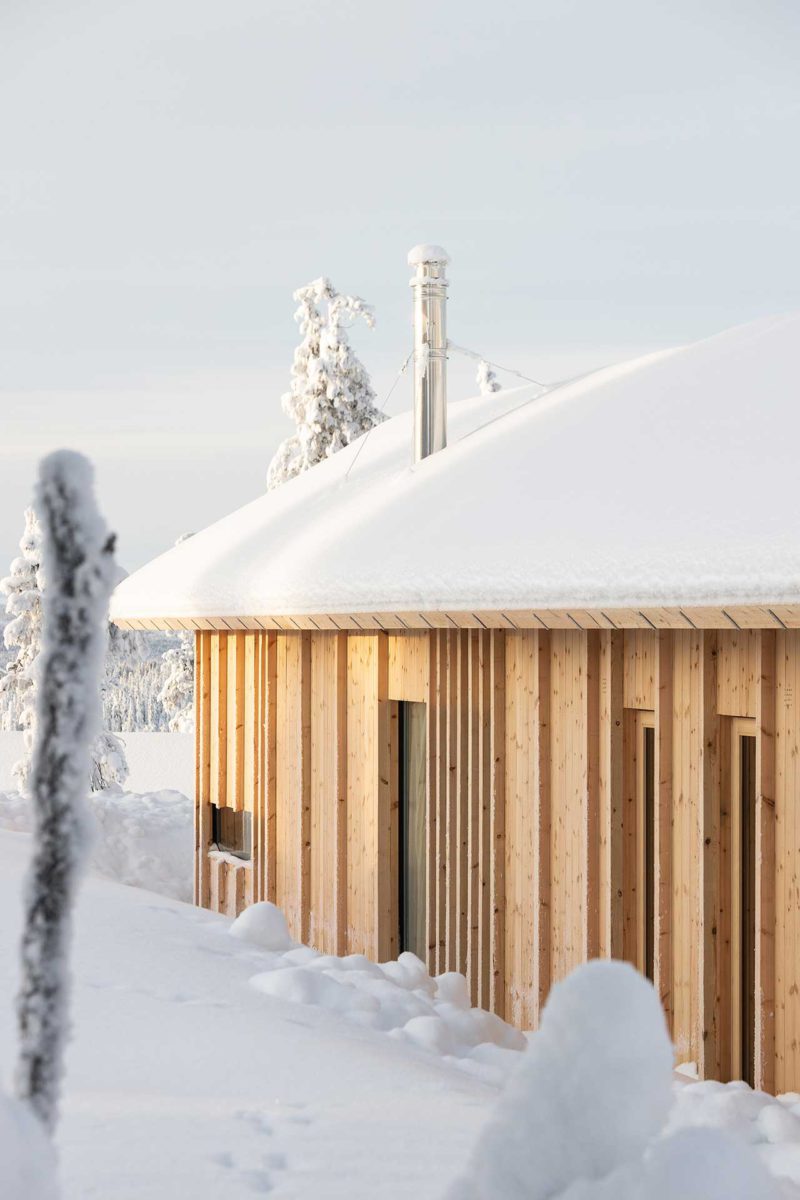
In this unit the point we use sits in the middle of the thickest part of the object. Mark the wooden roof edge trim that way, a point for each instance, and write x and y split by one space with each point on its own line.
730 616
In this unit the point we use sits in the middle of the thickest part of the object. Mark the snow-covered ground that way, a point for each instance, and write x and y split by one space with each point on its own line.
184 1080
208 1065
157 761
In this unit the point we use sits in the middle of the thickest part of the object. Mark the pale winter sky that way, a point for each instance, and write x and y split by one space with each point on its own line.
608 178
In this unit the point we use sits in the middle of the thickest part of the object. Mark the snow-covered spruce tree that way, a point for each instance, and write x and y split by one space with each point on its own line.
109 764
22 589
177 694
331 399
486 379
79 567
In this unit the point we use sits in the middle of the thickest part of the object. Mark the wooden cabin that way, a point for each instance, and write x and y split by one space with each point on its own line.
528 700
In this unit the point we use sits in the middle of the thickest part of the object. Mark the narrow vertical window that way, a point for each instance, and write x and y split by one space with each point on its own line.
648 846
743 863
412 842
639 896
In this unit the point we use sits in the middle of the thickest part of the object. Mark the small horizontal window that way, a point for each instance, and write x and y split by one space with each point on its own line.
232 832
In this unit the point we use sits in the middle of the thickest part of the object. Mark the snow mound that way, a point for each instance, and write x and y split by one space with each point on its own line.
702 1165
571 1109
586 1114
770 1124
398 998
143 840
27 1160
263 924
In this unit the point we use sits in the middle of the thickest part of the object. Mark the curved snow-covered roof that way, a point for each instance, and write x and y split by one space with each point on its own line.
670 480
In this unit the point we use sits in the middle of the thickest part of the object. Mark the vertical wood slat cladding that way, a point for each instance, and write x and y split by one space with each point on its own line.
328 833
573 780
787 860
663 840
714 964
527 826
737 672
610 787
369 874
293 781
766 726
686 904
639 668
465 815
526 796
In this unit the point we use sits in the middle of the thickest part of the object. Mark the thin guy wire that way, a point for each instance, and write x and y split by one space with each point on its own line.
480 358
387 398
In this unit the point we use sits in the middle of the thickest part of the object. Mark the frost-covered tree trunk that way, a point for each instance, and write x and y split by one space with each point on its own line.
79 566
331 399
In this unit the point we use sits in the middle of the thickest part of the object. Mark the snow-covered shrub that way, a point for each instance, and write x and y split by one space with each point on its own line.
331 400
486 379
79 568
27 1159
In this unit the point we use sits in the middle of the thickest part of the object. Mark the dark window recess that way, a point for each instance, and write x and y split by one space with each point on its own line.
232 831
413 858
649 850
747 933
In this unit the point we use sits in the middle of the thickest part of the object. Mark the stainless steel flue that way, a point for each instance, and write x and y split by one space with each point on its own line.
430 349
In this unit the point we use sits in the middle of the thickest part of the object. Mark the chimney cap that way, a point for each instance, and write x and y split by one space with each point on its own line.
427 252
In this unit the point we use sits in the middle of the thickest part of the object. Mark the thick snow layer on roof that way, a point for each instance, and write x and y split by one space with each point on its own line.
669 480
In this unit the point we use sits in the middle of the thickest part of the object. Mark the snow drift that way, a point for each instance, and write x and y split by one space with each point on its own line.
144 840
27 1158
399 998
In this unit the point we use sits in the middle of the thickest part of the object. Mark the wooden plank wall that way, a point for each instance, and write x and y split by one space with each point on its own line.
231 680
370 907
787 839
525 822
328 797
466 809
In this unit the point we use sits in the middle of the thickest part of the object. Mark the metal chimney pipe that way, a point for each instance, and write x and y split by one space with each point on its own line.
430 349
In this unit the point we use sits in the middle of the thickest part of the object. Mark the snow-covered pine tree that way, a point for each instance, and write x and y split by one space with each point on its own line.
24 588
109 761
79 566
331 399
177 694
486 379
21 587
